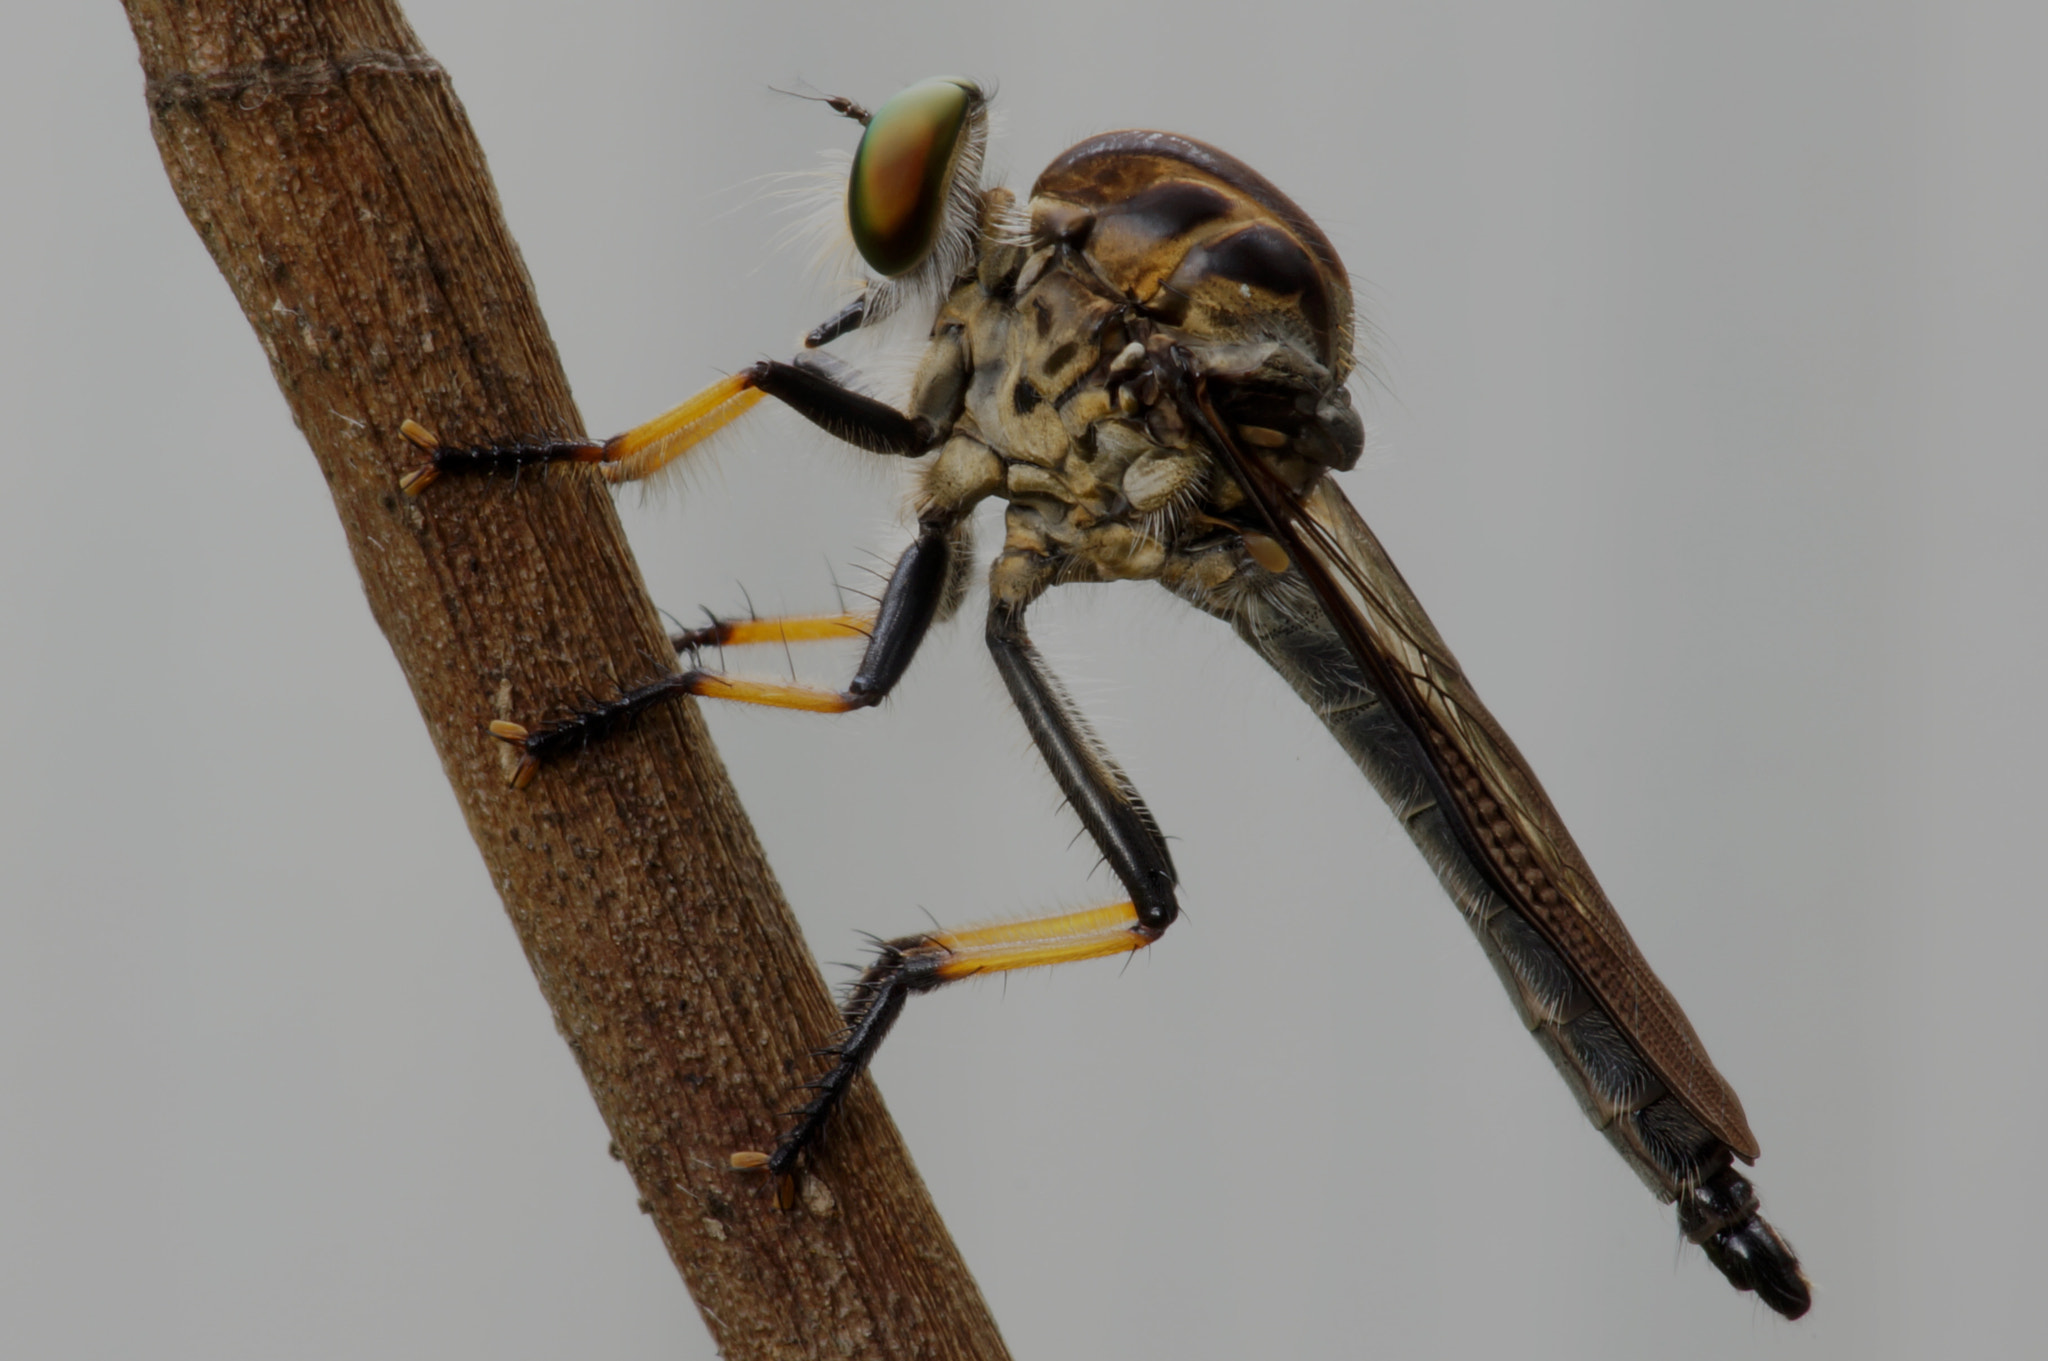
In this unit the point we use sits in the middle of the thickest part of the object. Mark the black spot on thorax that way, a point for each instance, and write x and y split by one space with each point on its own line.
1170 209
1264 257
1267 258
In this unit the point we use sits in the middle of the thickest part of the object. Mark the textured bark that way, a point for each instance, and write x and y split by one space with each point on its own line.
327 165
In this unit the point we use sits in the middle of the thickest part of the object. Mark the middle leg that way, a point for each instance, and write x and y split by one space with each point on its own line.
920 587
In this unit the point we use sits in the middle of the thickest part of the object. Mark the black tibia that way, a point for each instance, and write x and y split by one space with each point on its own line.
828 404
847 318
870 1007
1720 1214
916 590
1109 807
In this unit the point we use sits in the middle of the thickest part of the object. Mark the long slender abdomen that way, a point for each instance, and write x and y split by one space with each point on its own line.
1669 1148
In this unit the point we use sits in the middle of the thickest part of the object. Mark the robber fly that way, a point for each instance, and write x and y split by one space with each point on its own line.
1147 362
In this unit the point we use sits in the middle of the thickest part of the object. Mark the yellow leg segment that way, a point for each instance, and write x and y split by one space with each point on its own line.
647 449
797 628
1071 936
640 452
774 694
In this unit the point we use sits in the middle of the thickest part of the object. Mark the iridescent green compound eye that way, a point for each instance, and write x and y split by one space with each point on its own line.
903 172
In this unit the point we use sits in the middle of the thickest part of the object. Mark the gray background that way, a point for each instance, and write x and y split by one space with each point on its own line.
1707 433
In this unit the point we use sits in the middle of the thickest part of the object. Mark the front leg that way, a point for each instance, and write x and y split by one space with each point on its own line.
815 388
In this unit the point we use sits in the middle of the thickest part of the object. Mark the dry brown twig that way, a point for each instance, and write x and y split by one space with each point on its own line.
324 160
